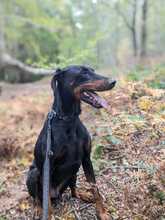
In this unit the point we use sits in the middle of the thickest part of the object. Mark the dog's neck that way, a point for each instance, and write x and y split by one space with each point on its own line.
65 103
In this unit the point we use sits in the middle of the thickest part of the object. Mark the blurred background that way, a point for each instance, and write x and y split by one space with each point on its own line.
120 38
113 35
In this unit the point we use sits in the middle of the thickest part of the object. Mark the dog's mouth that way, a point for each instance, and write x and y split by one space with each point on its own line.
88 92
93 99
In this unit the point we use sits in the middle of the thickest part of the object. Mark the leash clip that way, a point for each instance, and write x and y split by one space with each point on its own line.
50 153
51 114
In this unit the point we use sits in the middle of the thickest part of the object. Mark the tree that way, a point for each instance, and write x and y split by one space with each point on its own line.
50 33
130 23
143 47
9 64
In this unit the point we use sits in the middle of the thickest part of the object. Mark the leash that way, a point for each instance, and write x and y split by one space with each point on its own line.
46 169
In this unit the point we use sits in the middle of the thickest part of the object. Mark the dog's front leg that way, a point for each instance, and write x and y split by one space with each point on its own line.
50 208
37 203
101 209
86 196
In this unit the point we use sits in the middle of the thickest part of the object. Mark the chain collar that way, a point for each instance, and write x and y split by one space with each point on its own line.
53 113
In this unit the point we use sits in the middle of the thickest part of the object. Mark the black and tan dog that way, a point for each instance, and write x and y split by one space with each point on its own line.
70 140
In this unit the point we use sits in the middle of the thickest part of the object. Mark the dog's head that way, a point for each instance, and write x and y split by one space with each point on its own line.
82 82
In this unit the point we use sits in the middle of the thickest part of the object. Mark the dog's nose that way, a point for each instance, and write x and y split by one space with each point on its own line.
112 82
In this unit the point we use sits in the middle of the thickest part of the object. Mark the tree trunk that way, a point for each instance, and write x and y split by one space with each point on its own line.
134 35
7 61
14 71
134 42
143 46
131 24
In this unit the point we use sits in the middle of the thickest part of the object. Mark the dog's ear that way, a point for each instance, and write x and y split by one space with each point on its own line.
55 78
58 71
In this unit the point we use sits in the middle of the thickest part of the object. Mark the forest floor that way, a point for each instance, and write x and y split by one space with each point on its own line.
128 151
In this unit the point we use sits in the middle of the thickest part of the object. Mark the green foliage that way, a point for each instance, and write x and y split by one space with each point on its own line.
2 187
158 79
3 218
97 151
160 195
50 33
135 118
138 74
46 33
98 164
157 84
154 78
112 139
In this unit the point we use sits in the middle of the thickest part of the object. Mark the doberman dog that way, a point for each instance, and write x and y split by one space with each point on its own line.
70 140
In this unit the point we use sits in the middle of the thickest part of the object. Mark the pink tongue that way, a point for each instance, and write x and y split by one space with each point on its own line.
102 102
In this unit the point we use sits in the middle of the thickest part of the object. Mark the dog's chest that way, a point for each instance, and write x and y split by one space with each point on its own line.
68 154
68 146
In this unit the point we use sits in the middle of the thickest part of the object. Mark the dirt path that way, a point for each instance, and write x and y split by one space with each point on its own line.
9 91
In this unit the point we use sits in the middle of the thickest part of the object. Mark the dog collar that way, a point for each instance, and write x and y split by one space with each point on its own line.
53 113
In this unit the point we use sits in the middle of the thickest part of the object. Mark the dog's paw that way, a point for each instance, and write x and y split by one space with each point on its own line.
37 215
85 196
103 214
